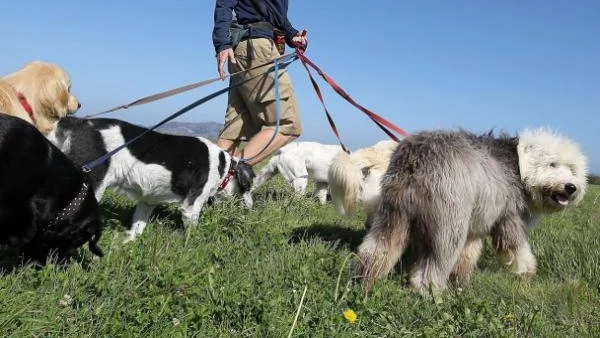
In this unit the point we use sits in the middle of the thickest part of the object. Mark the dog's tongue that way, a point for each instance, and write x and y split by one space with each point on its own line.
562 200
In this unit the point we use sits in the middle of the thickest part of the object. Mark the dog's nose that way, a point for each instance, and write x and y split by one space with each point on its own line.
570 188
78 105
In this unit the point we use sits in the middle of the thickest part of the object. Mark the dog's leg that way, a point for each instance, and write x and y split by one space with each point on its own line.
140 220
467 260
190 213
299 184
321 189
521 260
383 245
444 243
510 240
99 191
369 221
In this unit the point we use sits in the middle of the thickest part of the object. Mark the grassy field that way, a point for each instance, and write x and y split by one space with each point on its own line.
244 273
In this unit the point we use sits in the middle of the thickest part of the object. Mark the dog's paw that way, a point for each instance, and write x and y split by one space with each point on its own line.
248 201
525 263
130 238
521 262
505 257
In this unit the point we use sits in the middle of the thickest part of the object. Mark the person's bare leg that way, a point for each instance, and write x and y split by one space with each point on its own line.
260 140
229 146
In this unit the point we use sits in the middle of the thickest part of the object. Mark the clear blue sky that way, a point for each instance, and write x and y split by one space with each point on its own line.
422 64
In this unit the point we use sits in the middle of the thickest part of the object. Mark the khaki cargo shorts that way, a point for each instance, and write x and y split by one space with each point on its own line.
251 106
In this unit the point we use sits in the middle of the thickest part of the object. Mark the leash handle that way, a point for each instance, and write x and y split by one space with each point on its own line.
299 46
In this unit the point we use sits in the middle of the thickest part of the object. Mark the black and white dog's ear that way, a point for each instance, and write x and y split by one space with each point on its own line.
244 175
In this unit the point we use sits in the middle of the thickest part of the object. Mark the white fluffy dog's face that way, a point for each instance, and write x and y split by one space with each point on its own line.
553 169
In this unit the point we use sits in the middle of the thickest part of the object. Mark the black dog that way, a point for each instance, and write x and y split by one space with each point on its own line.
46 203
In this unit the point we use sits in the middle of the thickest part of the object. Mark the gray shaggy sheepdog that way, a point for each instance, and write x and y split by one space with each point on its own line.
445 190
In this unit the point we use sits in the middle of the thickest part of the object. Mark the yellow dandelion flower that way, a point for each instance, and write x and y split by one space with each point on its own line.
350 315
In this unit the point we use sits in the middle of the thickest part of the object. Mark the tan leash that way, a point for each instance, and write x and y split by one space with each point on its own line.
182 89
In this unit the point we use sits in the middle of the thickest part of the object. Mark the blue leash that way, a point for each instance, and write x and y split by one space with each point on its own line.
91 165
277 112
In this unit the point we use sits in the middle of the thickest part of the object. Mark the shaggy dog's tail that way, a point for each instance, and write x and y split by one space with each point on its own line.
383 245
344 183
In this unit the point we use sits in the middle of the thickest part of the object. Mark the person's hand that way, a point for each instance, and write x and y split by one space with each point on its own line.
300 39
222 58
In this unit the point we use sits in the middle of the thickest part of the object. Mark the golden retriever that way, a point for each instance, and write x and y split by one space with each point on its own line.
39 93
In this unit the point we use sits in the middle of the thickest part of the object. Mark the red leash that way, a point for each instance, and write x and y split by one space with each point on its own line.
329 118
384 124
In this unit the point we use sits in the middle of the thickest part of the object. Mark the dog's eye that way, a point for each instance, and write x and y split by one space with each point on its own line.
553 165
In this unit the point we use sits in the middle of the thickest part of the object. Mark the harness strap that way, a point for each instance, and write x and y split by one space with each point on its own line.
89 166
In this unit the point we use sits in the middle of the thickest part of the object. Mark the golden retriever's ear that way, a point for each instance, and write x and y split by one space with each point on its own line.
52 91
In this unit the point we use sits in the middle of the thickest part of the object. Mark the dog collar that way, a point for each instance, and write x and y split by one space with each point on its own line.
228 176
71 208
26 106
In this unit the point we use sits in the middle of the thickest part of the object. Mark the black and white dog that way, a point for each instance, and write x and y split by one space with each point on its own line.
157 168
46 203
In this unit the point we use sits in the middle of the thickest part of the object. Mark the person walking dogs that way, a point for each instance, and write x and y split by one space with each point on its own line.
256 35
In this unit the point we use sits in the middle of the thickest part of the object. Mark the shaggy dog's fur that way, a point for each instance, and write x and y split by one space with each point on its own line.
299 161
155 169
445 191
354 179
46 89
39 182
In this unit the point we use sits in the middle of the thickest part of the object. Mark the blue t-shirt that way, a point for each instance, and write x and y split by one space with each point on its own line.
246 12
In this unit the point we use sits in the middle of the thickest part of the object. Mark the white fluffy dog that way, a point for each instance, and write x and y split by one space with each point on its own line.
445 191
299 161
354 179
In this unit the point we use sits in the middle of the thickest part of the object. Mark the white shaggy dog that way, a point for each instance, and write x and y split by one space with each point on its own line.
445 191
299 161
354 179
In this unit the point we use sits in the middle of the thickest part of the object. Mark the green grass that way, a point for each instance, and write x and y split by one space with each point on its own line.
242 273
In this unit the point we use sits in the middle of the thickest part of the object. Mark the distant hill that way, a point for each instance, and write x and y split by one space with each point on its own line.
209 130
